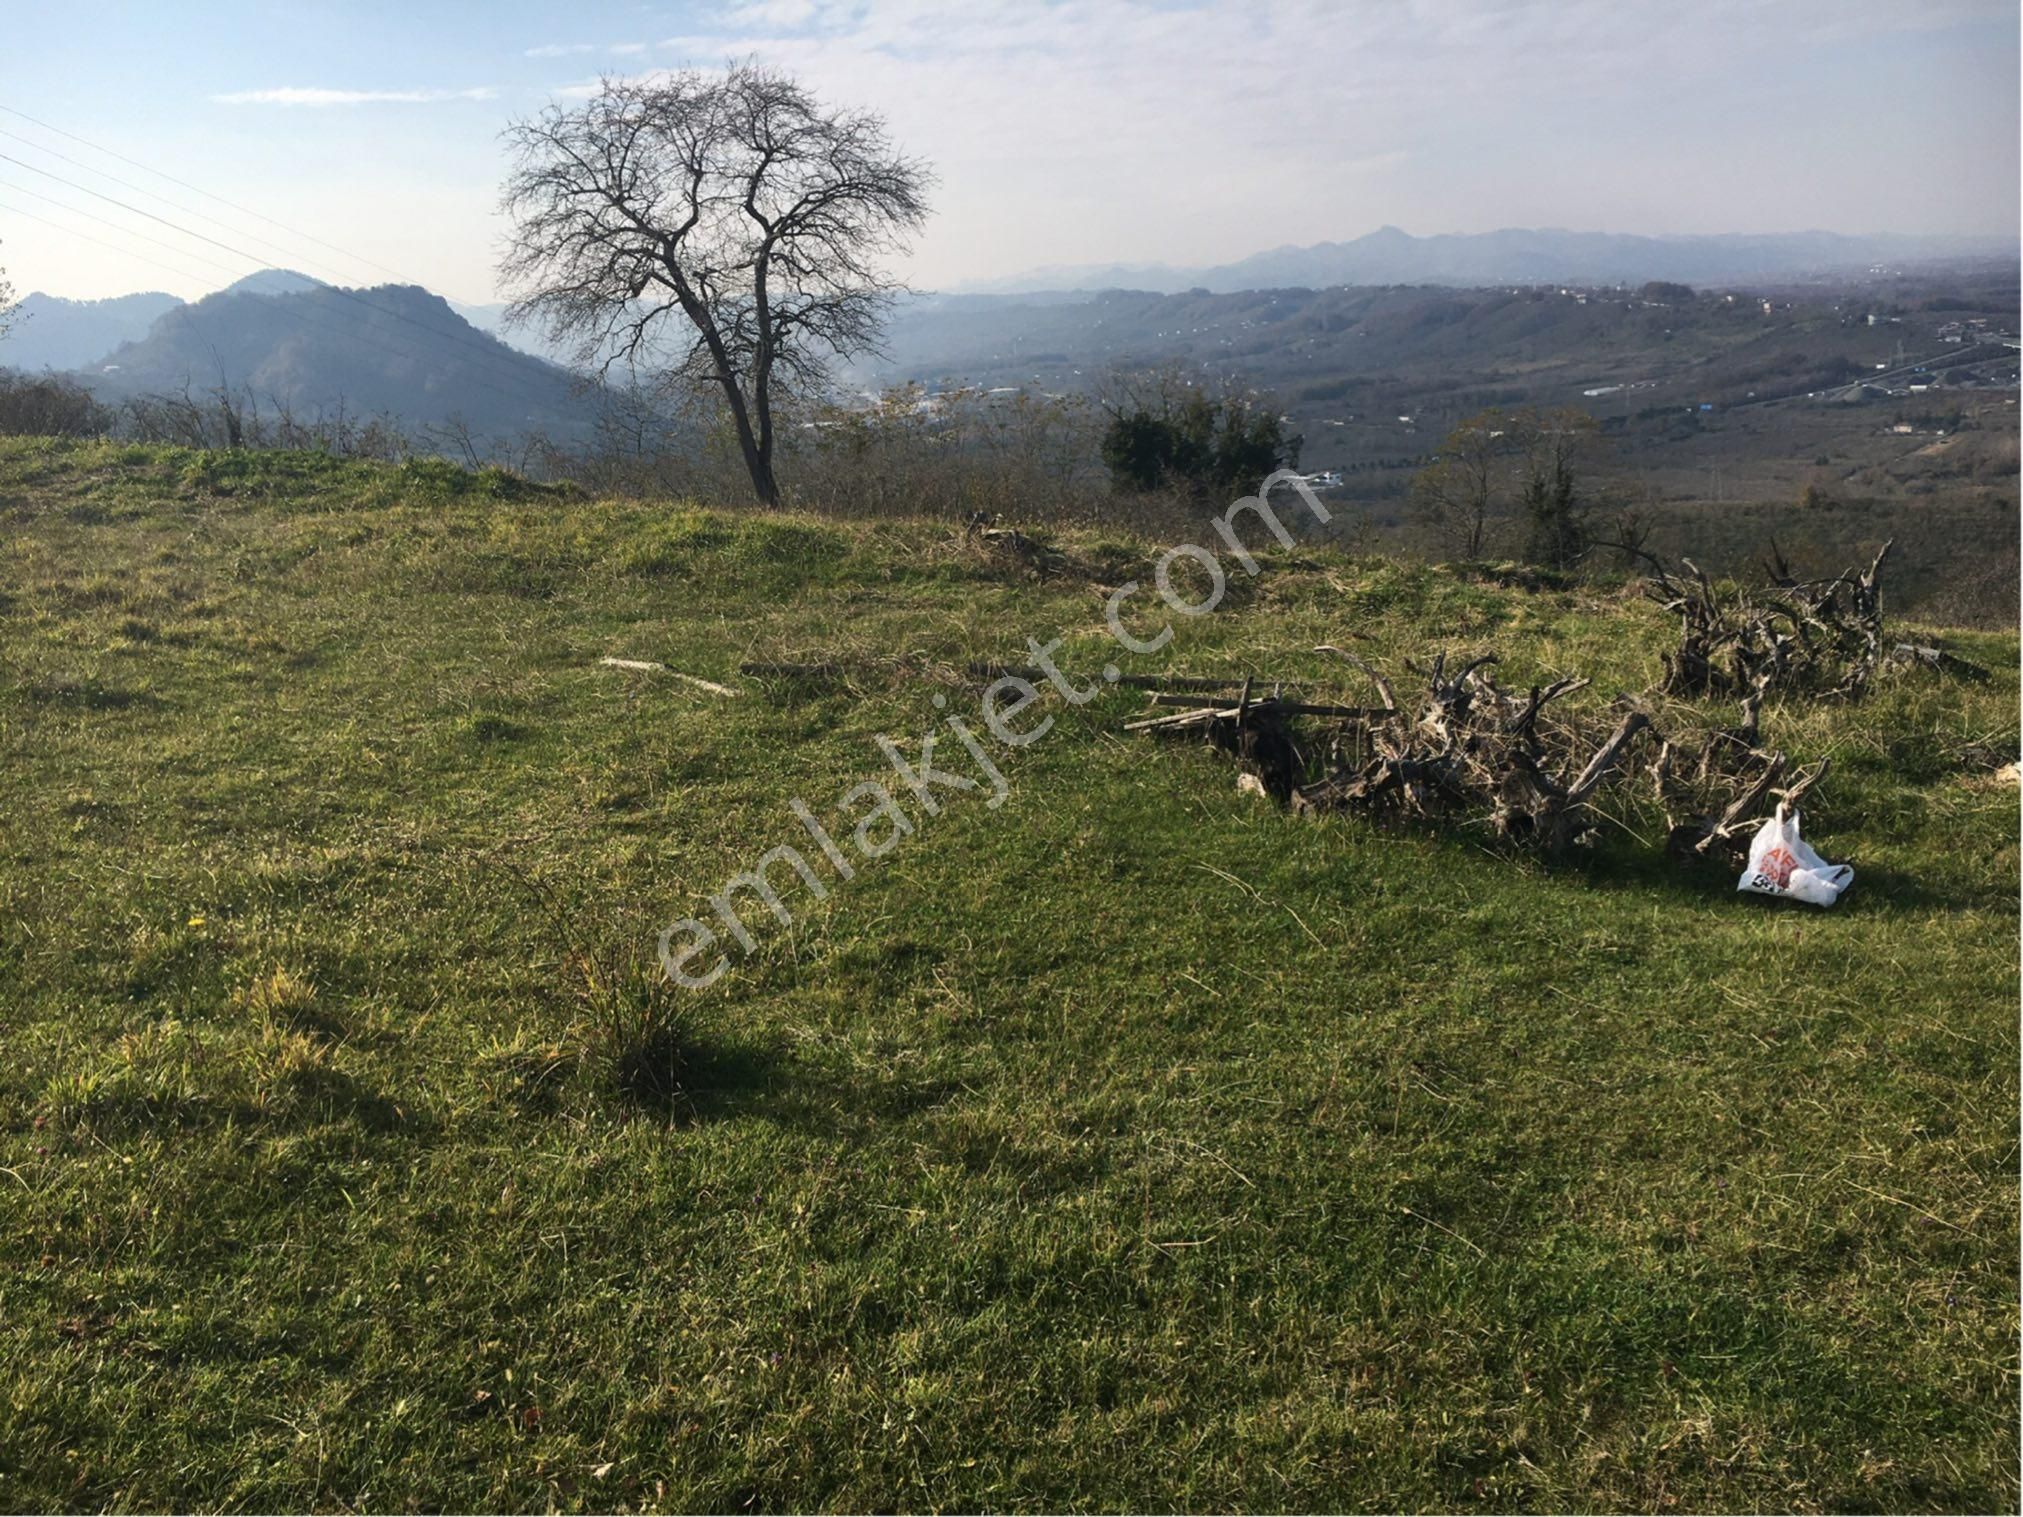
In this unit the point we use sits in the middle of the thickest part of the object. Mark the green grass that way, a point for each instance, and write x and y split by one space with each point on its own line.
1132 1145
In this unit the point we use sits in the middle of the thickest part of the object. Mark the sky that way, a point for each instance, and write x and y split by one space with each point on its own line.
360 141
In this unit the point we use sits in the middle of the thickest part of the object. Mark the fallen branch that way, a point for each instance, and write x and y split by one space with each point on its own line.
982 529
1938 660
1291 708
648 666
1038 676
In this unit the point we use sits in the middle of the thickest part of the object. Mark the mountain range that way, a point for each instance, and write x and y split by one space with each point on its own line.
50 332
292 342
1444 310
1515 256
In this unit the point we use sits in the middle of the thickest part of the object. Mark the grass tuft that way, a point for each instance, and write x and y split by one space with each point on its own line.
635 1032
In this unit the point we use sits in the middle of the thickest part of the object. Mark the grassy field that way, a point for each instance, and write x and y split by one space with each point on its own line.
1129 1144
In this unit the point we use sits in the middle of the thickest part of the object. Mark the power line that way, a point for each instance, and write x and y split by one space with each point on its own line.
151 194
492 351
22 189
291 255
124 206
14 210
200 190
116 248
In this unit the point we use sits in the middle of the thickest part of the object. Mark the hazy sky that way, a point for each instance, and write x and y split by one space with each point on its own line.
1084 131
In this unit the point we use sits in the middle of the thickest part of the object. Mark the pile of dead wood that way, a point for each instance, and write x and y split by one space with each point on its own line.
1715 786
1816 636
1463 749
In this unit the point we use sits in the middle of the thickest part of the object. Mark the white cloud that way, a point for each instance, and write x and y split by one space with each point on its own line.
291 95
774 13
578 49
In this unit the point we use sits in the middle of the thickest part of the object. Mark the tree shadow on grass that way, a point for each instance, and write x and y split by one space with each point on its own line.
719 1080
337 1096
305 1100
88 695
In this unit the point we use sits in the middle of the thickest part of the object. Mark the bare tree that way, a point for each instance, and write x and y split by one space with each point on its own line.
8 309
454 437
1457 493
733 205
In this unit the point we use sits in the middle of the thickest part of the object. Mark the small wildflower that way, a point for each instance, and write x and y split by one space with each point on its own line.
196 921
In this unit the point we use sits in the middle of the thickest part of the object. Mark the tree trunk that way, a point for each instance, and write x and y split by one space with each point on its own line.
758 462
763 484
758 452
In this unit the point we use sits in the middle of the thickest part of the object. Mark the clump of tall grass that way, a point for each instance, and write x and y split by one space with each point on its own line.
632 1034
628 1037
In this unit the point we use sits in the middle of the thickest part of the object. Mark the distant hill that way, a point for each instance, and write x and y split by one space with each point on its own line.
1373 376
395 349
1517 256
1403 347
273 282
53 333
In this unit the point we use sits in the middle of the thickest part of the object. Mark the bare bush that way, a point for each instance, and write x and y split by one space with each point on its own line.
236 418
957 453
48 405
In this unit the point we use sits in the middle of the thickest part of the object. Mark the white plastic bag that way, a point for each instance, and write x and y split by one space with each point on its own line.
1783 863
